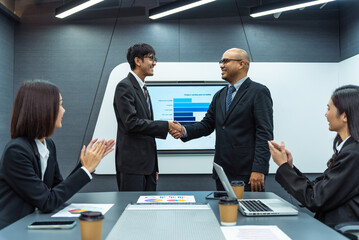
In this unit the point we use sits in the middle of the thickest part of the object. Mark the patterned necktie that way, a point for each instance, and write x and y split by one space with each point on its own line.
147 96
229 97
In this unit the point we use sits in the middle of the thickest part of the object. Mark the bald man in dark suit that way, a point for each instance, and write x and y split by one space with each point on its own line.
242 116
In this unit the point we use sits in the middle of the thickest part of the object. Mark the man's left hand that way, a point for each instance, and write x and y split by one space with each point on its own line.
256 181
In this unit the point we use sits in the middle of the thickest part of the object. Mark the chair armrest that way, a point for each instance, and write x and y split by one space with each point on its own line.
348 226
349 229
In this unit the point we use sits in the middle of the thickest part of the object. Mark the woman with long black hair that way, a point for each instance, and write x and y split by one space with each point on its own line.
29 172
333 196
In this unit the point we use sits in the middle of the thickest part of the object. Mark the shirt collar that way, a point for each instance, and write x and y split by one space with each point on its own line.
340 146
239 83
42 148
139 80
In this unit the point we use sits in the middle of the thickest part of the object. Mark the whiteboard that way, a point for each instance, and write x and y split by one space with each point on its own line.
300 93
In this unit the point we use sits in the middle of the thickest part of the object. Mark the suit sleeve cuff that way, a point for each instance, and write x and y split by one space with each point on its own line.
282 173
87 172
185 132
284 166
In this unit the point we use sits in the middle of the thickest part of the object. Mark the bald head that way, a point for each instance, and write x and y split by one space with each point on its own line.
234 65
240 54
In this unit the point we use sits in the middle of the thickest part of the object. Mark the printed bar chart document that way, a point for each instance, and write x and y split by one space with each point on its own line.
167 199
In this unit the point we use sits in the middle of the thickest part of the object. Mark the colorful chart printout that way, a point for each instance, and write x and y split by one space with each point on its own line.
167 199
75 209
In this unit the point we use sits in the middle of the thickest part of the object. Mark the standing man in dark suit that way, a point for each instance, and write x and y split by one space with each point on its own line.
136 153
242 116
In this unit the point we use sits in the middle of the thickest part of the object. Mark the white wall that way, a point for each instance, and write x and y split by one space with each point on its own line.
349 71
300 92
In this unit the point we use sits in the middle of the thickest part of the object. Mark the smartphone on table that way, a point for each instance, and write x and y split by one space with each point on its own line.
52 225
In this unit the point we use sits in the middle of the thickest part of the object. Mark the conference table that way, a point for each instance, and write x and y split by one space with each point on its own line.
298 227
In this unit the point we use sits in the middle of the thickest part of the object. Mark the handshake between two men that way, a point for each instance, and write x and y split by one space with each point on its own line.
176 129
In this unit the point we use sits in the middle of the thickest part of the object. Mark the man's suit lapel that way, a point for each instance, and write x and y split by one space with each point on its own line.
140 94
241 91
222 102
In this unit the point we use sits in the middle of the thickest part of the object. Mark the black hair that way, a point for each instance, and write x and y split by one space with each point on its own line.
138 50
35 110
346 100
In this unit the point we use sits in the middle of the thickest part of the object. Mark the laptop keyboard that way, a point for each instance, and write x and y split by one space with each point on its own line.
255 206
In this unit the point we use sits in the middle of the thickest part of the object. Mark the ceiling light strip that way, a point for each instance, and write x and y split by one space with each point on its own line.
78 8
180 9
289 8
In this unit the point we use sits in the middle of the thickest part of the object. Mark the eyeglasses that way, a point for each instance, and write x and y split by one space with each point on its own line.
153 58
226 60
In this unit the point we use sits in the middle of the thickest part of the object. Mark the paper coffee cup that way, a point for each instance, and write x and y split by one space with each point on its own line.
238 188
228 211
91 225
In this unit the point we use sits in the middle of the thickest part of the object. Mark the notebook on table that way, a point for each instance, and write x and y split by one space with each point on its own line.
256 207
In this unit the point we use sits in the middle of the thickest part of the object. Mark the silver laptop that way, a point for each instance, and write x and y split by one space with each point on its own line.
256 207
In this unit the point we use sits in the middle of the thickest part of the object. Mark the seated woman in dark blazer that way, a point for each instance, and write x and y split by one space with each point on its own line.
29 171
333 196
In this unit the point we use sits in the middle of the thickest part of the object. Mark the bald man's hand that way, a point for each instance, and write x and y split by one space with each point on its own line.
256 181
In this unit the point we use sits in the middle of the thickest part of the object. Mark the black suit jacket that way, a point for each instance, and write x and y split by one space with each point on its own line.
21 187
136 151
242 133
334 195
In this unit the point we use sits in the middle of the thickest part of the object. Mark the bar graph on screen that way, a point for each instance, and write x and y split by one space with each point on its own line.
186 103
187 112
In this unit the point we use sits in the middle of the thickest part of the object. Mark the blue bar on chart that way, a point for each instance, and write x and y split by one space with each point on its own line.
190 105
190 109
184 119
181 100
182 114
187 123
184 109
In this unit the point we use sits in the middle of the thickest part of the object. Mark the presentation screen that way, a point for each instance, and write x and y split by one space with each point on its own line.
187 103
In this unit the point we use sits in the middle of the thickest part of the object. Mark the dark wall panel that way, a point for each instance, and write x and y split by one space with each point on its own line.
6 77
205 40
349 29
299 41
270 40
72 57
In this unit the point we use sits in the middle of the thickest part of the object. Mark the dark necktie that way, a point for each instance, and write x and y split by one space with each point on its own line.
229 97
147 96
